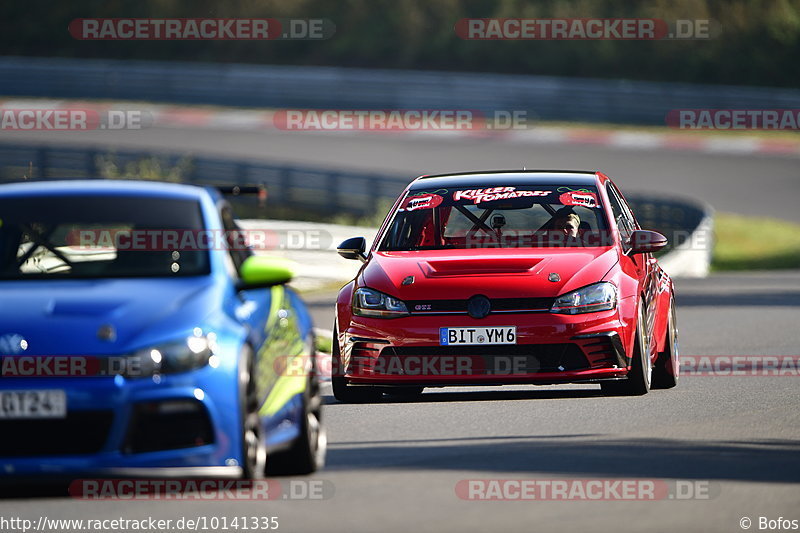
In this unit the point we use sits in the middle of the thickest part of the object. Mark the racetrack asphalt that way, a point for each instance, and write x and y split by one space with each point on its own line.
395 464
748 184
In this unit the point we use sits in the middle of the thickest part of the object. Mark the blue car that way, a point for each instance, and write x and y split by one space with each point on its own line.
139 336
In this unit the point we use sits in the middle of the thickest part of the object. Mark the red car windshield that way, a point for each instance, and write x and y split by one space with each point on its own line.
498 217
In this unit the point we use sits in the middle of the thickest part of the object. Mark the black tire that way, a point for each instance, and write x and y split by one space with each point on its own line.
349 394
254 448
307 453
341 390
666 371
640 374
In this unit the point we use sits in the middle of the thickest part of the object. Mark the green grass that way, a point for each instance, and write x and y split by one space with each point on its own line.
754 243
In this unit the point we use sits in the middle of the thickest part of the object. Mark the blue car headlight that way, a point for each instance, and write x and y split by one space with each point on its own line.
375 304
182 355
592 298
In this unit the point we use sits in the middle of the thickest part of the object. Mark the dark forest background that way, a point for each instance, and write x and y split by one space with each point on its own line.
759 43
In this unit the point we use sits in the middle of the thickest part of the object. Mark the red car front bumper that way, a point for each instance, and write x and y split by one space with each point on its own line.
550 348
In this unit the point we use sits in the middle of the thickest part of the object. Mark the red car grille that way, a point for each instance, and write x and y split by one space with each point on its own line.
427 307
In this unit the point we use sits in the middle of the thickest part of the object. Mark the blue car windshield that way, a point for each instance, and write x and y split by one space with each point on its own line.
101 236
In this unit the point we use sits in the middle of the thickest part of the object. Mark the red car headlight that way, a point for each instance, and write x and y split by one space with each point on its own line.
375 304
592 298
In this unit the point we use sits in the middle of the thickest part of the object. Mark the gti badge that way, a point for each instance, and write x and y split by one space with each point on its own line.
12 344
408 280
554 277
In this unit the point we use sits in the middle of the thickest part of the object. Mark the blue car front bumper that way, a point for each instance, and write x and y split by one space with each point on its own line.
180 425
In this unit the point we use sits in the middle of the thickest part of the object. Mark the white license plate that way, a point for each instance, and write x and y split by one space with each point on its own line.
488 335
22 404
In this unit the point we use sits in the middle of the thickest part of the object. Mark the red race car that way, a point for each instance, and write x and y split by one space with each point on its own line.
509 277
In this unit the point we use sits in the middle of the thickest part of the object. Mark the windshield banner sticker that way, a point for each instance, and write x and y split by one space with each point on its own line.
428 201
495 193
579 198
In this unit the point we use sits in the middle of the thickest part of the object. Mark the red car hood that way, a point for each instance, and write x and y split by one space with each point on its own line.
496 273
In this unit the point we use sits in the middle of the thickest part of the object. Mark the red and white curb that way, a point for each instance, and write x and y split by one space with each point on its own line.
164 116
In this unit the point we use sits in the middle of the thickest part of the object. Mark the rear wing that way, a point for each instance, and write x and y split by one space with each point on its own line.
241 190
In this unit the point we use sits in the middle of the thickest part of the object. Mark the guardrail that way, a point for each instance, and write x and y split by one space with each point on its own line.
686 222
542 97
323 191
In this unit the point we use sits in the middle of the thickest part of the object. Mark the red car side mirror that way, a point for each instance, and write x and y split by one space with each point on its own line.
353 248
644 241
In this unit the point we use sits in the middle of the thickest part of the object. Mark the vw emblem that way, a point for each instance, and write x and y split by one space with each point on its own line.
478 306
12 344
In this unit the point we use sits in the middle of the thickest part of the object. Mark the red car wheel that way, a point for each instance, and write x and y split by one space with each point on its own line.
641 372
667 367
